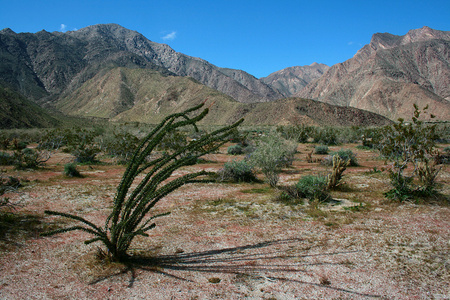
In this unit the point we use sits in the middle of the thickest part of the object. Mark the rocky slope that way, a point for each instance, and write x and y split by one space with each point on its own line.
390 74
142 95
54 63
292 80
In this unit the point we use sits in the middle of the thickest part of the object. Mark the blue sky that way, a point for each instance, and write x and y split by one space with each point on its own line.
259 37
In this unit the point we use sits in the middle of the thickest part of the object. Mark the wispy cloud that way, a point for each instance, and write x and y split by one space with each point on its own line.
170 36
350 43
63 28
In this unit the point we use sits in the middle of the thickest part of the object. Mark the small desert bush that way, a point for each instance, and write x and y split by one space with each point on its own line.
273 153
235 150
120 144
237 171
325 136
321 149
313 187
30 158
6 159
410 144
345 155
70 170
299 133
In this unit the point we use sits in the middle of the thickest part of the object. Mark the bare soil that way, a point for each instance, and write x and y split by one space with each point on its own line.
232 241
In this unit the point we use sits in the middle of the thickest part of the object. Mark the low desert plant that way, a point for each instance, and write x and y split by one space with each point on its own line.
235 150
273 152
30 158
321 149
325 136
237 171
410 144
120 144
6 159
299 133
313 187
346 155
70 170
81 144
144 183
339 166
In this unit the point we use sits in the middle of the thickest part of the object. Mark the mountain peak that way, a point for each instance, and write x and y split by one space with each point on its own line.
423 34
7 31
388 40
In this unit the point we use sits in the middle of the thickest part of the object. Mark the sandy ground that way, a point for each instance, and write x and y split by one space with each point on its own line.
233 241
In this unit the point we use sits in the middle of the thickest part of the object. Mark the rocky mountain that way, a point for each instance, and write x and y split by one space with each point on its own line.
45 65
292 80
144 95
390 74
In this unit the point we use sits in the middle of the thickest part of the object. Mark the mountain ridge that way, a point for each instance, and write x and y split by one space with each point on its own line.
391 74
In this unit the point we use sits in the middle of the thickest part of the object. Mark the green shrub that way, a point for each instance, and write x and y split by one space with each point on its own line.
19 145
410 144
121 145
81 144
144 184
313 187
237 171
346 154
70 170
6 159
273 152
173 142
325 136
235 150
299 133
321 149
30 158
54 139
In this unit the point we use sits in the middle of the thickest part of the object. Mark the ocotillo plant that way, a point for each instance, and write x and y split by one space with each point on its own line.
129 216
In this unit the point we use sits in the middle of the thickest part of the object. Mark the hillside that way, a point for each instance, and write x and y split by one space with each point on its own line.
391 74
18 112
55 63
292 80
141 95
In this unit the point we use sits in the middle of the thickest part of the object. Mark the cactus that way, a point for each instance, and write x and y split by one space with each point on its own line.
129 217
339 166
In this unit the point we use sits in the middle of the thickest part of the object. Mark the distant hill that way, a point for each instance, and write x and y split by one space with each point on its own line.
292 80
391 74
18 112
142 95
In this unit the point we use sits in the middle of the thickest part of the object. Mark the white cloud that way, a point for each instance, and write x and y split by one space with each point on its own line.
63 28
170 36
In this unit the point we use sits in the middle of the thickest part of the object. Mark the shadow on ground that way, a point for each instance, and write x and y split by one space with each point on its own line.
262 258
